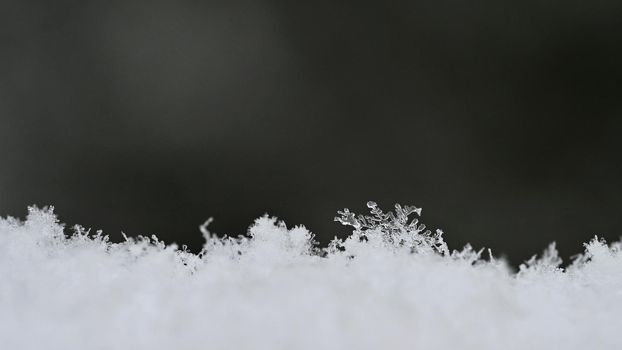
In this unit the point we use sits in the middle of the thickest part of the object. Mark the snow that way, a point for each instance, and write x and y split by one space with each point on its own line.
390 285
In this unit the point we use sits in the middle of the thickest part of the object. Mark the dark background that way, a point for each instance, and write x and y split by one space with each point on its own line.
500 118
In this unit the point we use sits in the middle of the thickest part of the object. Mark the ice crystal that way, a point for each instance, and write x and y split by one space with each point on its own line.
395 228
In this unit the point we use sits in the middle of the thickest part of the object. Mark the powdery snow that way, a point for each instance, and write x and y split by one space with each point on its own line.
390 285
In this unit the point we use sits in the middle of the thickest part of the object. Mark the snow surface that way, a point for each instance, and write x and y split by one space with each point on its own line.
390 285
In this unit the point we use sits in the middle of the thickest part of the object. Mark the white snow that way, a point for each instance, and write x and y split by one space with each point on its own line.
390 285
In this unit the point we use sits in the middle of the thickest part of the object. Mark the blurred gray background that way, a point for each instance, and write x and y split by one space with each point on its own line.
502 119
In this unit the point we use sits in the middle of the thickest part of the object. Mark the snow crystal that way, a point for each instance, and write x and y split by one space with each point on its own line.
392 284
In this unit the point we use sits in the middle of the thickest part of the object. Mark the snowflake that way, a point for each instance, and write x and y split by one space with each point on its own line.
395 228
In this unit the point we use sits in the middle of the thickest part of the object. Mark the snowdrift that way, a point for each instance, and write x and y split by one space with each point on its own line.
391 284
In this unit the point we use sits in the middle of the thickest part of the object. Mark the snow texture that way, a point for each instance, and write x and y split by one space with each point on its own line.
389 285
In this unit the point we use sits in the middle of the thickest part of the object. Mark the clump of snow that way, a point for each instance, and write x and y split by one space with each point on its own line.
390 285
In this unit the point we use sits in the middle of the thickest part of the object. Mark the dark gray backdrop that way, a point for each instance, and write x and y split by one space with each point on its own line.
500 118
